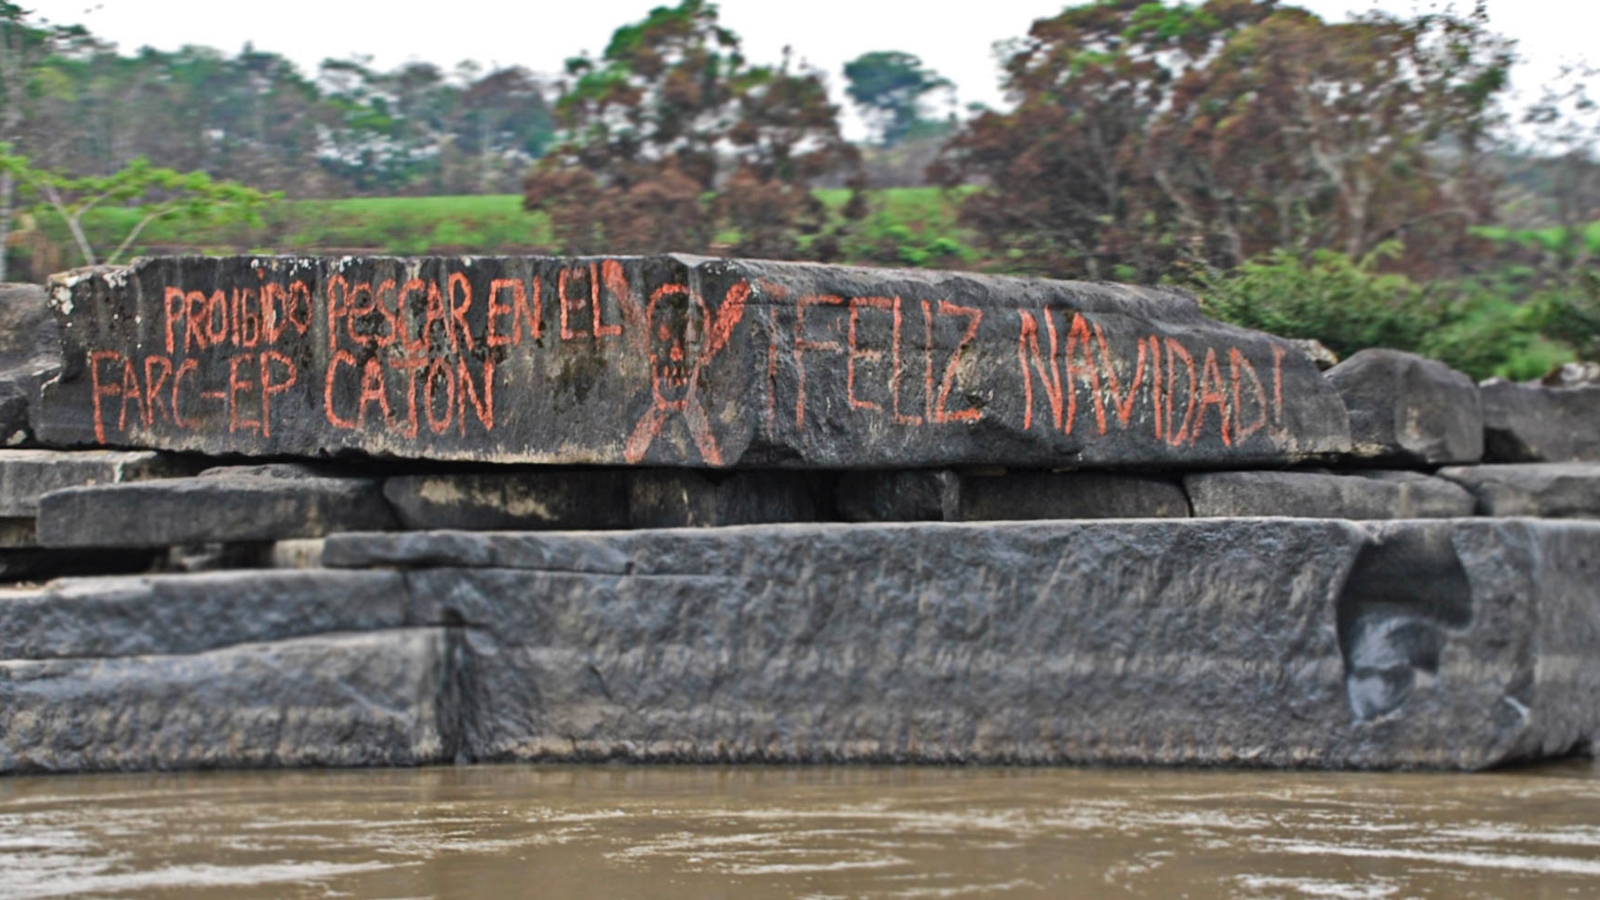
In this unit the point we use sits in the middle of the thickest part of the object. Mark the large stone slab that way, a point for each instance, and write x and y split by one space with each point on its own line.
1274 642
1535 423
668 498
376 698
27 475
30 353
1321 495
1547 490
1270 642
29 340
168 615
511 500
668 361
1408 409
944 495
1480 634
233 669
220 508
905 495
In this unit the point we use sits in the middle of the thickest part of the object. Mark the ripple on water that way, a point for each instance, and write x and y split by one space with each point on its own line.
683 832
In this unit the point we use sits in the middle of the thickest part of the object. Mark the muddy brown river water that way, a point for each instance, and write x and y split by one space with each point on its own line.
599 831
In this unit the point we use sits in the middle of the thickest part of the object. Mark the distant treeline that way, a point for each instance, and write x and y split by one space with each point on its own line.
72 103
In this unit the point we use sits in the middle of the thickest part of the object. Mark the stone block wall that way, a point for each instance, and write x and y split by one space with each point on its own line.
736 511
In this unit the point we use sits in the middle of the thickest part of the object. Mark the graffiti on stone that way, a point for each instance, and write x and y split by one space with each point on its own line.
666 360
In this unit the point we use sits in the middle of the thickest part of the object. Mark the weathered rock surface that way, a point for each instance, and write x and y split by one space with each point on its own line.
291 553
40 564
1409 409
175 615
27 475
223 508
1484 628
665 498
905 495
669 361
17 533
1069 495
514 500
1423 496
29 339
1268 642
943 495
332 700
291 471
1319 352
298 553
14 404
1259 642
30 353
1533 423
1546 490
1319 495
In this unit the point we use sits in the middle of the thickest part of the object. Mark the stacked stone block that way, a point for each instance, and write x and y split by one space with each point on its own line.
383 511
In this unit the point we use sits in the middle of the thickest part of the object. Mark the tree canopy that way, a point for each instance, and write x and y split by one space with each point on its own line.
1146 135
73 104
154 192
672 139
890 86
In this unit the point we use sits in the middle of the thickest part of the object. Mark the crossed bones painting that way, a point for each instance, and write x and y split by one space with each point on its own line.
682 337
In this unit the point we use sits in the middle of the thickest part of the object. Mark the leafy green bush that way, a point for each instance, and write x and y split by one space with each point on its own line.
1482 333
1570 315
906 227
1502 325
1346 304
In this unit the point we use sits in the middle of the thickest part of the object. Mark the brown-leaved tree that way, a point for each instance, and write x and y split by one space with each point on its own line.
673 141
1147 135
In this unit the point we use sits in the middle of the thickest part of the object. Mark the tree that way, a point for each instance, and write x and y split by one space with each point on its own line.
669 115
889 87
21 44
1061 168
372 134
85 109
12 89
1147 134
501 121
420 128
1303 134
786 137
1565 121
72 104
155 193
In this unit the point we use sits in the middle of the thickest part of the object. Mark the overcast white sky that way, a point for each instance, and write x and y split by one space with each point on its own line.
956 39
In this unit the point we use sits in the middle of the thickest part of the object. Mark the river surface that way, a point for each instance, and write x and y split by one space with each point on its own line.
611 831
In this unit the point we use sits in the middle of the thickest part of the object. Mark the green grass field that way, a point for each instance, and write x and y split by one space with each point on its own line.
904 226
401 225
907 226
1550 239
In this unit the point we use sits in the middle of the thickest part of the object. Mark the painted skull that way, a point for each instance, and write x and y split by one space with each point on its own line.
677 321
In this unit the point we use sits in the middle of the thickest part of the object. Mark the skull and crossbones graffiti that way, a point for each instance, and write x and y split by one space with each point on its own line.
682 337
